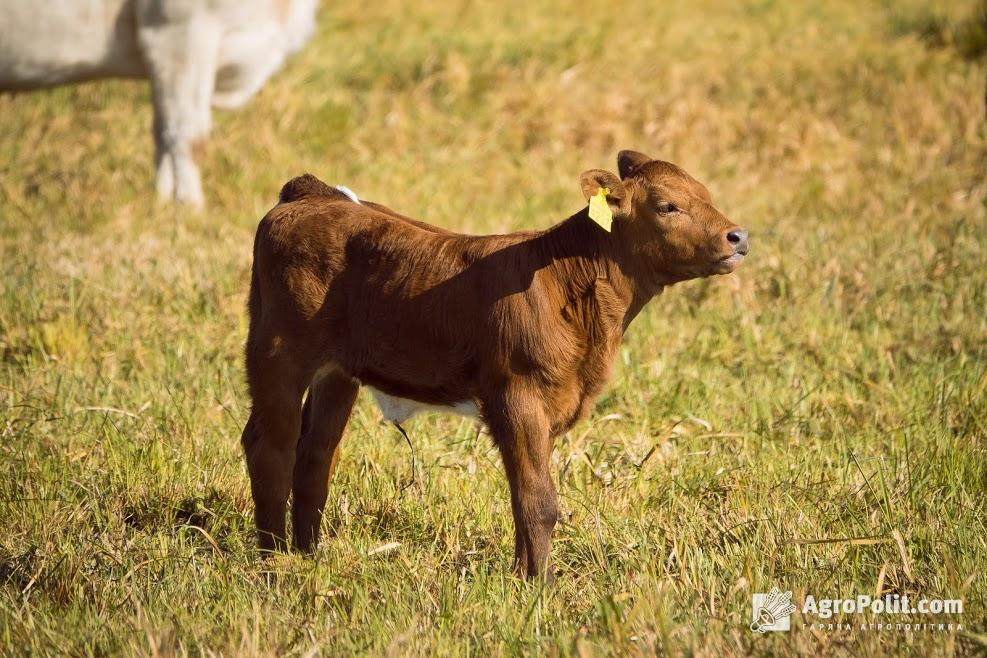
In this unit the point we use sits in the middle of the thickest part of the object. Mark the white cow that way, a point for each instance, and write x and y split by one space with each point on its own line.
197 53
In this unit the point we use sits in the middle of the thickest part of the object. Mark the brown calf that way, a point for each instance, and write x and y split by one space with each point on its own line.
520 328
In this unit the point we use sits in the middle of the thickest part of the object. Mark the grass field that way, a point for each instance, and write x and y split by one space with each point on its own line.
816 421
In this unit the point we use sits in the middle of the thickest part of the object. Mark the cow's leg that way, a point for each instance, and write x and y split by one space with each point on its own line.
518 424
327 408
181 63
271 436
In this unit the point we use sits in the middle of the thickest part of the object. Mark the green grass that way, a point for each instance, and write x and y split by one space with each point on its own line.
834 388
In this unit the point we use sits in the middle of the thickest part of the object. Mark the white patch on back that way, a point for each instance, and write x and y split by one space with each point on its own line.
349 193
398 410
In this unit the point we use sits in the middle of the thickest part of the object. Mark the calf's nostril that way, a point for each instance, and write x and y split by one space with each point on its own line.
737 236
738 239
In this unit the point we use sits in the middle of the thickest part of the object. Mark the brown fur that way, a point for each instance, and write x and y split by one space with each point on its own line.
526 325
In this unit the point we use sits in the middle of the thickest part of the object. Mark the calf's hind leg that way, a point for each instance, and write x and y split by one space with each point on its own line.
327 409
270 439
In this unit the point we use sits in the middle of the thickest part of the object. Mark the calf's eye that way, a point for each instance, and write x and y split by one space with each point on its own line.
666 208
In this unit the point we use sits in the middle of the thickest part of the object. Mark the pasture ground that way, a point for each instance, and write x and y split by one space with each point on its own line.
817 421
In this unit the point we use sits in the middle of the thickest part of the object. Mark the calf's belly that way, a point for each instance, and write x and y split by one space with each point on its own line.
398 410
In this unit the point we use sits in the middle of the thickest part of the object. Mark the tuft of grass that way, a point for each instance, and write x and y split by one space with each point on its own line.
816 421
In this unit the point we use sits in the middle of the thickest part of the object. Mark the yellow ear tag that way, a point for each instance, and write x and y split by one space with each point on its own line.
599 211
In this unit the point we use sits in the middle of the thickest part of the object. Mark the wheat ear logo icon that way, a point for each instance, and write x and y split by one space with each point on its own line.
776 606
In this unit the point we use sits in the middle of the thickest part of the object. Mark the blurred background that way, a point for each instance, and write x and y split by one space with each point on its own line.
816 421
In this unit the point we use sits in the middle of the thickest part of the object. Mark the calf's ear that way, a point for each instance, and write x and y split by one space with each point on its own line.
591 181
628 162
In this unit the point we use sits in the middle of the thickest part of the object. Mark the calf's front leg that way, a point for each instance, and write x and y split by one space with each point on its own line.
520 428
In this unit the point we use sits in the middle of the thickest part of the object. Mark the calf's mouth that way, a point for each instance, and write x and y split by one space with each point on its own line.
730 262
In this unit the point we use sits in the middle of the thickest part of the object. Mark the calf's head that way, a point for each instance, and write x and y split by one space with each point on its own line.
664 221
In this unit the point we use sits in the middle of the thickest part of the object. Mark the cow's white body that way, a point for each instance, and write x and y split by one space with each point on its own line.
196 53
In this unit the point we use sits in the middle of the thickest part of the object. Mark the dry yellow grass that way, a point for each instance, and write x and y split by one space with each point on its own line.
834 388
